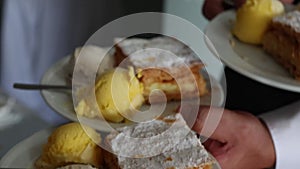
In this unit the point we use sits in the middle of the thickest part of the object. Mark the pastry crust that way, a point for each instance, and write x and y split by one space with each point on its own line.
184 86
156 70
282 42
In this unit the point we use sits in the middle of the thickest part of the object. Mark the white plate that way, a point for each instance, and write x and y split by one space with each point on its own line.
249 60
24 154
61 101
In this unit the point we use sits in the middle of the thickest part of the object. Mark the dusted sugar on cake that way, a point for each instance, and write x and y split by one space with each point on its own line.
163 63
282 41
163 143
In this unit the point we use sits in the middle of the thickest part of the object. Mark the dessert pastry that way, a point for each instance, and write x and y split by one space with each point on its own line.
166 143
253 19
117 91
163 63
282 41
71 144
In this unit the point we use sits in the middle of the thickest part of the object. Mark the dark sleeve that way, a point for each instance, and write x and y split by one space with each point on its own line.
248 95
296 2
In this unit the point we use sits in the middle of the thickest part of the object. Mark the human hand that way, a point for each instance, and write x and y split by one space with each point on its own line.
240 140
212 8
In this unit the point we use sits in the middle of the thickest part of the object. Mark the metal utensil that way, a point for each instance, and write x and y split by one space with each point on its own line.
40 87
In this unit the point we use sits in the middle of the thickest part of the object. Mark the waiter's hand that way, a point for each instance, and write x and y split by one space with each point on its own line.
241 141
212 8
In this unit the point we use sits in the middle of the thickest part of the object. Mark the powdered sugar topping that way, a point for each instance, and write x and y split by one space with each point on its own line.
162 52
159 144
291 19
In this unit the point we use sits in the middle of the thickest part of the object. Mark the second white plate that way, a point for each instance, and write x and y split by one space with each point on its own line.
249 60
61 101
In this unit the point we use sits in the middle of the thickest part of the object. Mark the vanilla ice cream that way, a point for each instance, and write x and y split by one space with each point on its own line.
118 92
253 19
72 143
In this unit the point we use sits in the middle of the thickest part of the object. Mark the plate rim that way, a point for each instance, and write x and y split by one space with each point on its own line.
253 73
5 160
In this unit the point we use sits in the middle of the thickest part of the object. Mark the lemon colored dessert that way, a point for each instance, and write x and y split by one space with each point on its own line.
117 92
253 19
71 144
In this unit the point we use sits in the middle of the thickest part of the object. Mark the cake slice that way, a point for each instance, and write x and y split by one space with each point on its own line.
163 63
282 41
163 143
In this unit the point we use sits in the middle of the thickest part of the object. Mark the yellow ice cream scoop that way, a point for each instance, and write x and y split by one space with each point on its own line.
118 92
72 143
253 19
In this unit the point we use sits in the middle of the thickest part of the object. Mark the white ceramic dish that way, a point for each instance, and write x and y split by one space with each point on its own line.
24 154
249 60
61 101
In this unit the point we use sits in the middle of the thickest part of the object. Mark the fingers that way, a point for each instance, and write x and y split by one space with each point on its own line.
202 115
211 8
223 138
213 123
239 3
